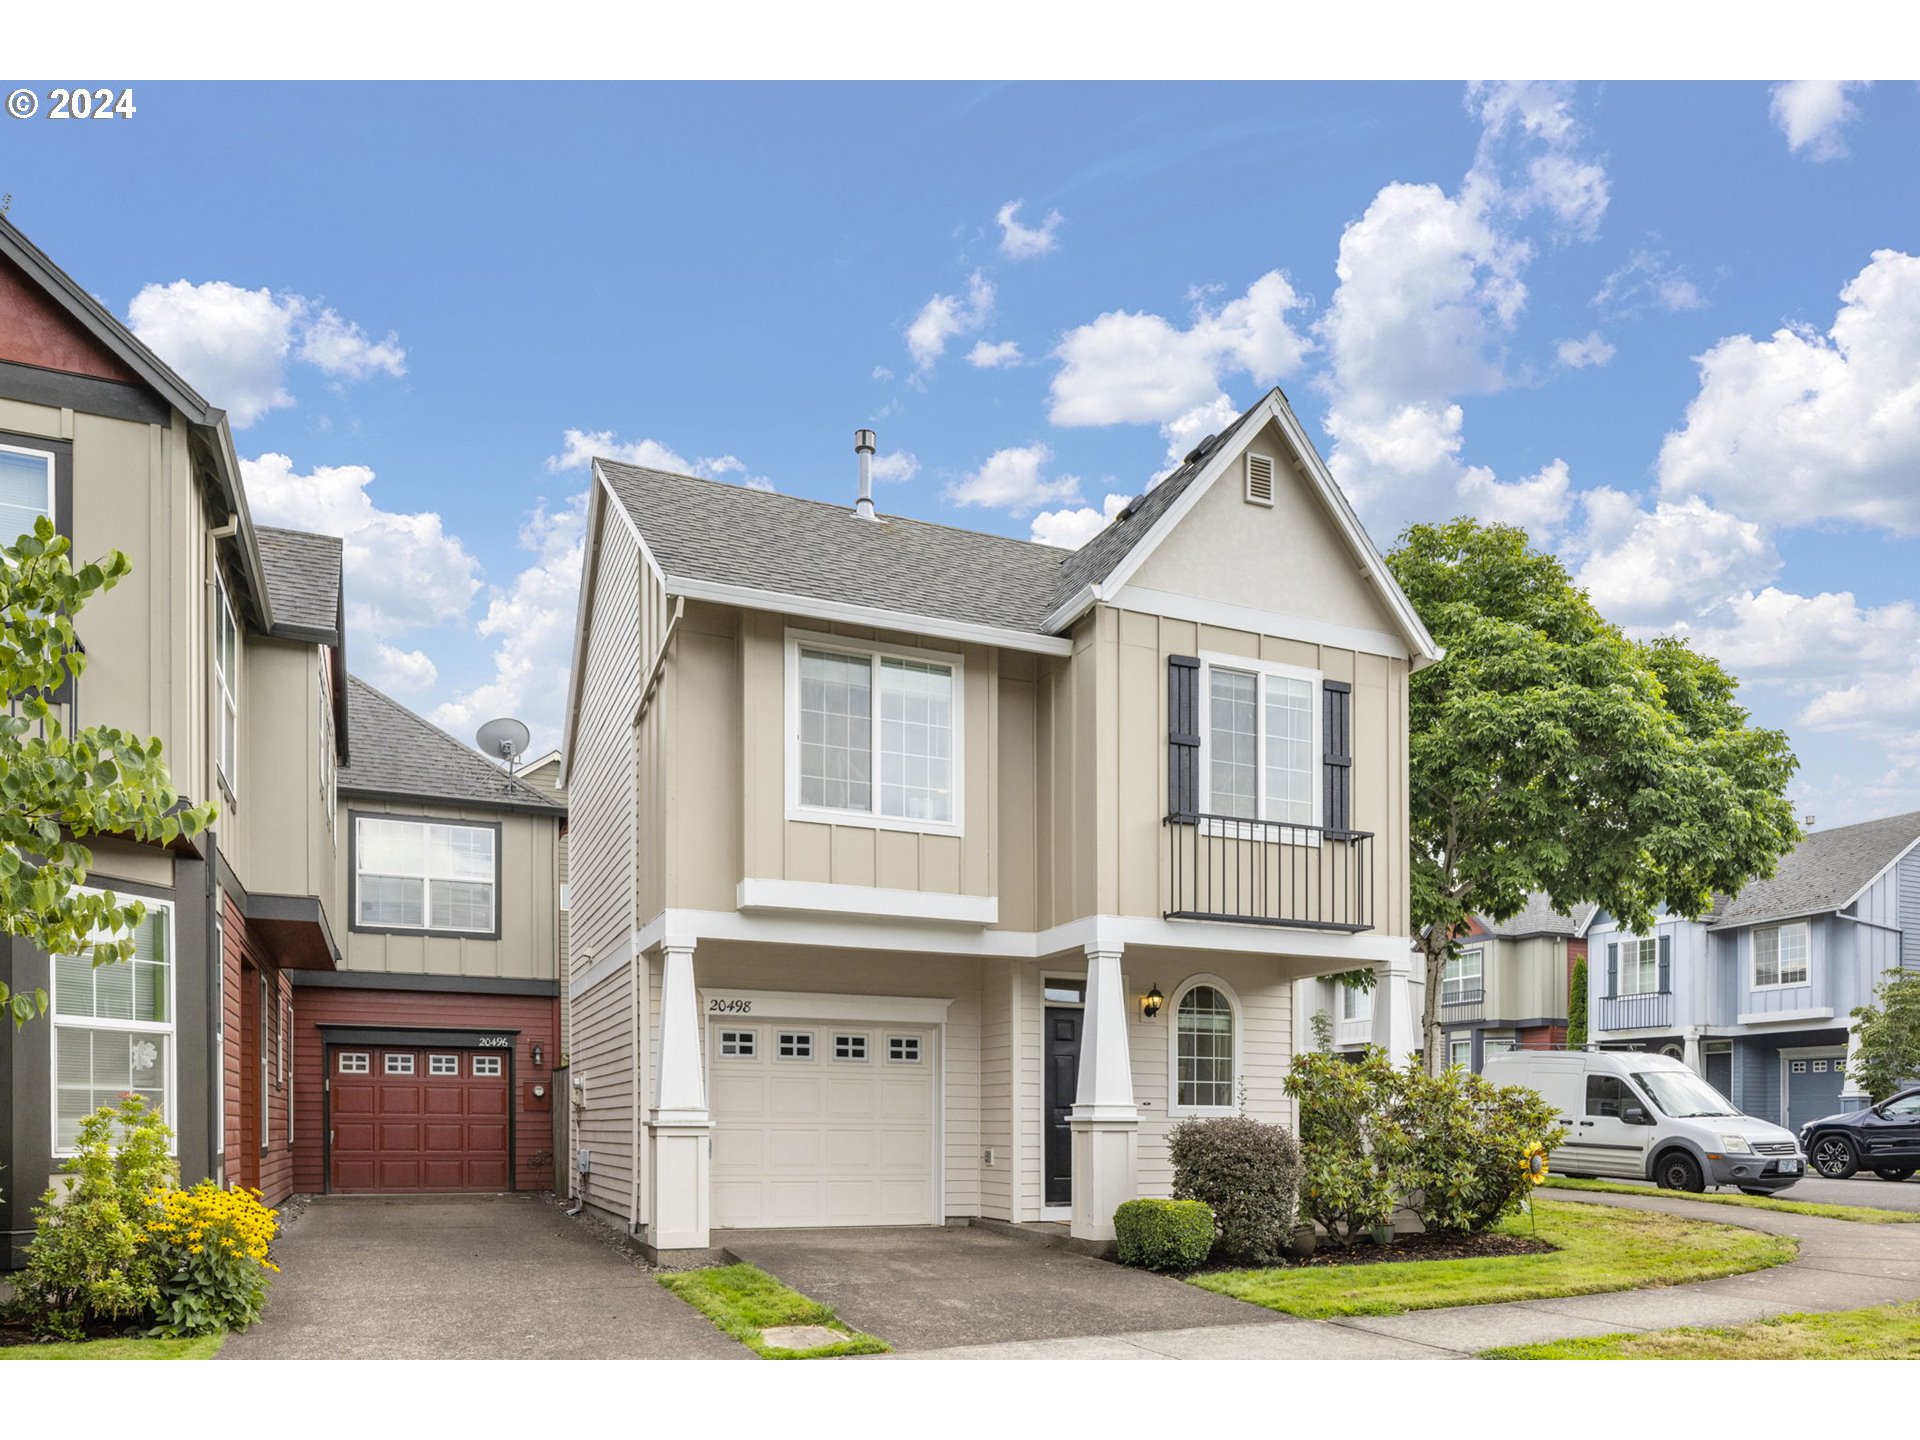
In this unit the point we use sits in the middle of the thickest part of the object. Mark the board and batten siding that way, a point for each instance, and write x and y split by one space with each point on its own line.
609 828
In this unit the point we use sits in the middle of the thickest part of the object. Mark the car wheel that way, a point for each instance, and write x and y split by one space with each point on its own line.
1677 1170
1833 1157
1893 1173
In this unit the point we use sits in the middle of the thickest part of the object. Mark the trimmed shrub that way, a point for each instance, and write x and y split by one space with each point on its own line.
1248 1172
1354 1142
1470 1141
1164 1234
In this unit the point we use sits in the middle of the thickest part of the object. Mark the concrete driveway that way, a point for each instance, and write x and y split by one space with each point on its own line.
928 1289
495 1277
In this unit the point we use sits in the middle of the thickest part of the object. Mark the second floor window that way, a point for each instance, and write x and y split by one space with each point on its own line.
26 490
1260 758
1355 1003
1460 977
1780 955
226 681
424 875
876 734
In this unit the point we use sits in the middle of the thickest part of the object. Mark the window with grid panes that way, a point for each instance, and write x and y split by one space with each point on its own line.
1204 1049
113 1027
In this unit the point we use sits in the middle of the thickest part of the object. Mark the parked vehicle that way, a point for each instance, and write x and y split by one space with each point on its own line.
1884 1139
1635 1116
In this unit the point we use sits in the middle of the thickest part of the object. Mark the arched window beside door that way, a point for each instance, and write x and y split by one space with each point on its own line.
1206 1049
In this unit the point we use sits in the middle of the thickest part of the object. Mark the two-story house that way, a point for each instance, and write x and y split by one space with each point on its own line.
1504 988
227 643
920 873
1758 995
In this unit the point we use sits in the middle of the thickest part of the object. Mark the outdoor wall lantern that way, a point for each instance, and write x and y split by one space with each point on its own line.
536 1053
1150 1006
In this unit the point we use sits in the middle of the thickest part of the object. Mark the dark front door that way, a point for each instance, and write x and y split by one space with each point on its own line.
1063 1076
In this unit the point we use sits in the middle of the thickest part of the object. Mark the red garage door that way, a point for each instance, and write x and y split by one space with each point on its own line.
418 1119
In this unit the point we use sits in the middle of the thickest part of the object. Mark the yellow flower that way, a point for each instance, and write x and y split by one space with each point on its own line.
193 1249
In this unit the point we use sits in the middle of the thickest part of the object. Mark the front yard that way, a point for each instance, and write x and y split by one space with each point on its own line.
1597 1249
200 1347
1884 1332
1860 1214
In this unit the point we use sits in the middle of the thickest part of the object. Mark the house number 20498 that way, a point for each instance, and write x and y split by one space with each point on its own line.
718 1006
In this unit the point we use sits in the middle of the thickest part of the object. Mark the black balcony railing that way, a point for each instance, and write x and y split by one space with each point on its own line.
1268 872
1636 1012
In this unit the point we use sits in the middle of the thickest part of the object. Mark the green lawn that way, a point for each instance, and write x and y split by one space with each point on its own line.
1599 1249
1886 1332
744 1300
1861 1214
203 1347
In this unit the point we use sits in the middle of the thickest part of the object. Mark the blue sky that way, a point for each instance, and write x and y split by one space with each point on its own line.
1613 313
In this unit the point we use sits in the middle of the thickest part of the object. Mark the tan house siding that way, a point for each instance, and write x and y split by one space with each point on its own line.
602 1067
285 712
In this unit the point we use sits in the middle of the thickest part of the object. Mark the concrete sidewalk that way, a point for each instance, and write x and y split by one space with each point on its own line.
1841 1266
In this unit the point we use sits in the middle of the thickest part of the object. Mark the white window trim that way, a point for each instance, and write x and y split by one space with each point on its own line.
1453 1045
1479 976
495 1067
1361 1001
918 1044
865 1057
363 1056
1753 958
426 925
1174 1107
1630 946
169 1028
226 693
798 1038
873 652
389 1061
434 1059
1316 750
52 487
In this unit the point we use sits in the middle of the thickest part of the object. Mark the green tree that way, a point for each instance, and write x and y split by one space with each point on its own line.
1551 752
56 788
1888 1056
1577 1005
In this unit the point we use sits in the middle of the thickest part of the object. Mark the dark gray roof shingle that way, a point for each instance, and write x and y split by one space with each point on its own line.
1538 917
1823 872
395 752
303 582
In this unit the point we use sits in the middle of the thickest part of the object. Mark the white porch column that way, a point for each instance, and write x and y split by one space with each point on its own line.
1396 1029
1852 1097
1690 1051
679 1123
1105 1123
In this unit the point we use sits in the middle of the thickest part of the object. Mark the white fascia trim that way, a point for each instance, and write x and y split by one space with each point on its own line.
1259 622
868 901
589 577
1771 1018
843 612
724 1005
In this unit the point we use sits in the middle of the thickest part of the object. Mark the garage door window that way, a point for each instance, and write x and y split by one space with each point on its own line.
903 1049
399 1065
795 1045
354 1062
850 1047
484 1065
443 1064
737 1043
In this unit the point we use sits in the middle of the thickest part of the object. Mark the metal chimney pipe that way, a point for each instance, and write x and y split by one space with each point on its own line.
863 443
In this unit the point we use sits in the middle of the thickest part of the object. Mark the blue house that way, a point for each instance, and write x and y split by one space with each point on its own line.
1758 995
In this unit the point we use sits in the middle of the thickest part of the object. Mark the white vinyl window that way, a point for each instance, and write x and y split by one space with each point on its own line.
443 1065
739 1043
795 1045
399 1065
486 1065
1460 1052
113 1028
226 682
353 1062
874 733
26 490
1639 972
423 875
1355 1003
1780 956
1260 742
1206 1048
1461 977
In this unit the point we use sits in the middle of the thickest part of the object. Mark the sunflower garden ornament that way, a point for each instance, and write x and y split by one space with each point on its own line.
1533 1165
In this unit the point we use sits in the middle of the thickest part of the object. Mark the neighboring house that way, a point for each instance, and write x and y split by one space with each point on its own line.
920 873
1758 995
227 643
1505 988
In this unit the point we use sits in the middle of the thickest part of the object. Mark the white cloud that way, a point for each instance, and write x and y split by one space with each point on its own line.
1025 242
1185 431
1535 119
1014 479
580 448
1648 278
234 344
1070 529
403 570
404 673
531 622
1131 367
988 355
897 466
1812 113
945 317
882 374
1653 566
1803 641
1579 354
1539 504
1803 427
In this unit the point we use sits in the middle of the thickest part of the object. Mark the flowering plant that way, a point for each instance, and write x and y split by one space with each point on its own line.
215 1259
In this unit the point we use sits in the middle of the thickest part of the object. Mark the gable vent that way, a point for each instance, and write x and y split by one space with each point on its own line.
1259 479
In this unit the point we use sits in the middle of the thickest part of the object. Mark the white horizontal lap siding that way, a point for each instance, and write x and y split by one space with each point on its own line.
1030 1117
997 1088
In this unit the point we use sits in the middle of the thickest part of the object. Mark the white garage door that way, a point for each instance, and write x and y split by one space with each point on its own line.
822 1123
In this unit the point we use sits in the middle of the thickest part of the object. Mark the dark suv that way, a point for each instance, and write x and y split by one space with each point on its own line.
1884 1139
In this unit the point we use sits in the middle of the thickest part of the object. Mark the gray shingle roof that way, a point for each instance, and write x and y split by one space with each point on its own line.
303 582
1823 872
395 752
726 534
1540 918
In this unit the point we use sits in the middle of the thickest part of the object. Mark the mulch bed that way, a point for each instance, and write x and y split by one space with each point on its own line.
1431 1246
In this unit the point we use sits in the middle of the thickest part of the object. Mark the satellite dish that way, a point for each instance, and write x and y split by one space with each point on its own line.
504 739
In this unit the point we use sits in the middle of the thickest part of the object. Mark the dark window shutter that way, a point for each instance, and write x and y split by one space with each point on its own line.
1613 969
1183 737
1666 963
1337 743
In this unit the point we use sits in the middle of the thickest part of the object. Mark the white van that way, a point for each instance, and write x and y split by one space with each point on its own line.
1648 1117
